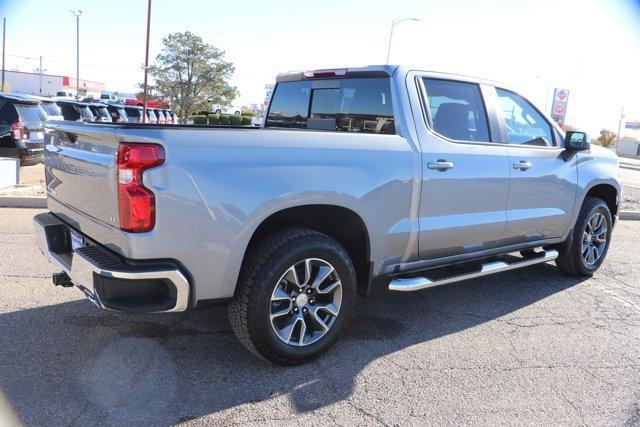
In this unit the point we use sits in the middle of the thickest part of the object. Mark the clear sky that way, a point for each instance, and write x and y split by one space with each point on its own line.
591 47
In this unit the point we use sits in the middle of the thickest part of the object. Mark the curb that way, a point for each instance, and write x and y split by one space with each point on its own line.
629 215
23 202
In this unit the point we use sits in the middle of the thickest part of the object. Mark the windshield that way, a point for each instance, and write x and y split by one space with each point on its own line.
28 113
152 115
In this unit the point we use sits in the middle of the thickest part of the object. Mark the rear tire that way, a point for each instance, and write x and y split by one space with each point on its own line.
268 312
590 242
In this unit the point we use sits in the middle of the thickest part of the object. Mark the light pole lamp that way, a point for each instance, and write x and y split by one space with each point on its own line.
393 24
77 14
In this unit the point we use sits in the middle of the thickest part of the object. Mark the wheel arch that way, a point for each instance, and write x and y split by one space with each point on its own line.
606 192
341 223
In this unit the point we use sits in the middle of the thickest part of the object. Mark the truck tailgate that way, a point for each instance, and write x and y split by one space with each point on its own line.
80 170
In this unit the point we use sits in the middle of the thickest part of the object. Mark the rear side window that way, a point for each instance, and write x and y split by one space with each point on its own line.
28 113
456 110
525 125
344 105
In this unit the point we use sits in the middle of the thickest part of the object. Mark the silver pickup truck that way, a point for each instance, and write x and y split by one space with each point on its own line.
360 177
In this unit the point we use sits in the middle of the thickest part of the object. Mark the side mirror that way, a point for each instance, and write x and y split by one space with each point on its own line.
576 141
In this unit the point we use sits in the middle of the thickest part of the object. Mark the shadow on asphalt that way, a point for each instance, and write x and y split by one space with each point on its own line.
73 363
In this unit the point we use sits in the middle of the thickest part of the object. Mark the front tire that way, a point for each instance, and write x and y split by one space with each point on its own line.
295 296
590 242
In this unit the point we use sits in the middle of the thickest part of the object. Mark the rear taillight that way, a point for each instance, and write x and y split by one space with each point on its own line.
18 131
136 203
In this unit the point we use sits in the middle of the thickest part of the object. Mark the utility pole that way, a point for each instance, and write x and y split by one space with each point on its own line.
4 34
146 64
620 126
77 14
40 72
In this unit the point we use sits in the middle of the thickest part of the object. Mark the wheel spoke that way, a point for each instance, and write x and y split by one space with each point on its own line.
317 320
323 273
329 308
596 254
303 331
329 289
287 332
291 276
593 222
279 295
282 312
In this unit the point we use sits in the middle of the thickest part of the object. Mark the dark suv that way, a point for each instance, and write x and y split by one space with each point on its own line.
21 128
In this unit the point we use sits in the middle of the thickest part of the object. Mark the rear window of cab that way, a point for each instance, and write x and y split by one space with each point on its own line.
344 105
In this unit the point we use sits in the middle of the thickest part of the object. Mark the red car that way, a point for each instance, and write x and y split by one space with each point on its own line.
150 104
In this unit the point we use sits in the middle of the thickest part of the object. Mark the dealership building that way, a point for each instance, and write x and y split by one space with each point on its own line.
49 84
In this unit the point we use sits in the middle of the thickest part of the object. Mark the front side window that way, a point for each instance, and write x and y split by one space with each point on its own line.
344 105
457 110
525 125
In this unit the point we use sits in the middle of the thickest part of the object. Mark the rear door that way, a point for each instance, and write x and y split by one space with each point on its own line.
465 181
543 180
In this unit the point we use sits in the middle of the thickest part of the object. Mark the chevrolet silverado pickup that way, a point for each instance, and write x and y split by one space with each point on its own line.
359 177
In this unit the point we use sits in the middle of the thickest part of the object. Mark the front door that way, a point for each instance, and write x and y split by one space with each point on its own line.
543 178
465 181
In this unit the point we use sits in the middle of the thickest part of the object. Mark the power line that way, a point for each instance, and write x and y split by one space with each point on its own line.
59 61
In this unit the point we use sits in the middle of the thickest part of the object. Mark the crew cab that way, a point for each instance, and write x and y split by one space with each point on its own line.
360 177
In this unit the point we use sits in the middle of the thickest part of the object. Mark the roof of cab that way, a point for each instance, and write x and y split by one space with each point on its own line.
368 71
23 99
379 71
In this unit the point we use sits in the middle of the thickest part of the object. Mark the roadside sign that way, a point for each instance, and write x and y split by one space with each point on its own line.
632 125
559 106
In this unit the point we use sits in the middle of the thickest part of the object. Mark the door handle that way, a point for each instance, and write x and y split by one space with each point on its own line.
440 165
523 165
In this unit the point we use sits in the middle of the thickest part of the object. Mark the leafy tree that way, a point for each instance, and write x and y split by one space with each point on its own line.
606 138
191 74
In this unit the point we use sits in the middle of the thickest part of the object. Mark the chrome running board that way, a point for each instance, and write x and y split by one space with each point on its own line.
416 283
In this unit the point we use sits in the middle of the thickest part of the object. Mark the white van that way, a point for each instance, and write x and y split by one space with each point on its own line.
628 148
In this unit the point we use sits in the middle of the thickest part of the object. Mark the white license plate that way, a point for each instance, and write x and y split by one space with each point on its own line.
36 136
77 241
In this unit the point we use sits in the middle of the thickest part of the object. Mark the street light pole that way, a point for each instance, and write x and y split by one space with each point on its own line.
77 14
4 32
146 64
620 126
40 72
393 24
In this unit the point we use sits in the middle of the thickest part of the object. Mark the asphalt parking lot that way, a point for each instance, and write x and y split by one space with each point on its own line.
524 347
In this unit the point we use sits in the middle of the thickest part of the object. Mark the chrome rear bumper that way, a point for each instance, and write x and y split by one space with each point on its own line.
92 265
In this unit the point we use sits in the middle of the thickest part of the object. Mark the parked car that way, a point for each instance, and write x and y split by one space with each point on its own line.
118 113
151 116
134 114
76 111
170 116
160 115
21 128
150 104
49 110
64 95
360 177
109 98
230 109
100 112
